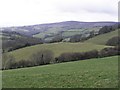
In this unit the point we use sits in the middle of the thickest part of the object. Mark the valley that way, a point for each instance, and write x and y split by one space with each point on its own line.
68 54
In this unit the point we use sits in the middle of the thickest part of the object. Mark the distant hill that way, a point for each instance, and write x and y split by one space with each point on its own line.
56 27
18 37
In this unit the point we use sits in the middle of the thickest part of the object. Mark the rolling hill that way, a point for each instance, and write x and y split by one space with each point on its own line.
78 74
52 27
50 30
94 73
12 40
56 48
103 38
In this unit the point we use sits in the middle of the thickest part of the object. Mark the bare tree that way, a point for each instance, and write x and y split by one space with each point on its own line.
7 61
42 57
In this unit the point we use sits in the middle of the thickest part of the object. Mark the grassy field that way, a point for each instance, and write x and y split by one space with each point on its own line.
95 73
51 31
102 39
70 33
57 49
43 34
40 35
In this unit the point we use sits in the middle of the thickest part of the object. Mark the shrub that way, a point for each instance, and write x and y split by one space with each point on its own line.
24 63
115 41
42 57
108 52
106 29
65 57
91 54
7 61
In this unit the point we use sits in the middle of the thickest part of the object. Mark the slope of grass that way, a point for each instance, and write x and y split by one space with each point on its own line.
57 49
102 39
51 31
40 35
95 73
70 33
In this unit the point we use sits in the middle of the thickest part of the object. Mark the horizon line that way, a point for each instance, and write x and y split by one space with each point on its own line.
57 22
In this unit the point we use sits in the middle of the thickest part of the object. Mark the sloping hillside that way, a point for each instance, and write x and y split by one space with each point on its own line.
12 40
103 38
95 73
56 48
49 31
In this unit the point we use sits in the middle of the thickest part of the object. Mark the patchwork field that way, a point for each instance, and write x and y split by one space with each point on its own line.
94 73
56 48
64 32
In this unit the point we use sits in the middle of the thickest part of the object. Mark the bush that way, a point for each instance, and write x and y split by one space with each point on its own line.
106 29
108 52
65 57
91 54
42 57
115 41
24 63
7 61
118 49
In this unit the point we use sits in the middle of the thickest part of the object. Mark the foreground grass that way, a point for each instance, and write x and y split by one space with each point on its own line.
57 48
96 73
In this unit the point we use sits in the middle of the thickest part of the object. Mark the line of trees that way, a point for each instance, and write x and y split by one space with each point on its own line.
7 61
57 38
39 58
44 57
103 30
114 41
82 37
107 29
66 57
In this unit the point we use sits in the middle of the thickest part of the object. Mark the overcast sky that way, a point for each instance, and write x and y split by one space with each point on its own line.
30 12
